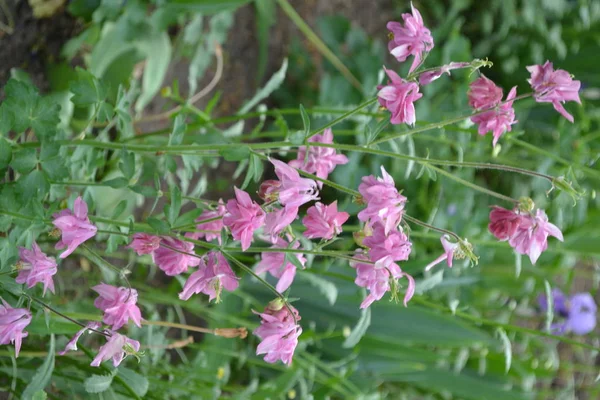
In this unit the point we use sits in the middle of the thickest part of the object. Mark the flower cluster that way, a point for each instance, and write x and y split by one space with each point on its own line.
577 313
278 331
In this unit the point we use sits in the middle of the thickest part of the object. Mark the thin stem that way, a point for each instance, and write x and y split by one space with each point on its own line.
224 332
433 228
344 116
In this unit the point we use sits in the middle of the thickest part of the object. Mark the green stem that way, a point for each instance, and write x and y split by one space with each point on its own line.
433 228
344 116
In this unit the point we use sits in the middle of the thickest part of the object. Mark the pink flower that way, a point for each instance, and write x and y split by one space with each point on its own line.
12 323
384 203
449 249
427 77
499 120
212 229
504 223
384 248
278 333
411 39
277 265
323 221
75 227
376 279
554 87
276 221
72 344
117 347
173 262
118 304
398 97
243 218
483 93
531 235
36 267
320 161
143 243
294 190
269 190
210 278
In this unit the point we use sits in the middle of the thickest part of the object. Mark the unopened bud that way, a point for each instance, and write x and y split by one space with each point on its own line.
561 184
166 91
276 305
526 204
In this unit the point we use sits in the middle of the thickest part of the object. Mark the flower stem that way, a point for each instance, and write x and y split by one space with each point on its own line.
433 228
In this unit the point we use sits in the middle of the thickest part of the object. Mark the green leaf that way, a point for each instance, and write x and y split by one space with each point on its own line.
145 191
19 103
272 85
429 283
5 153
172 210
507 347
360 329
205 6
188 218
328 289
255 170
138 383
52 163
265 18
158 225
158 52
45 117
24 160
119 209
42 376
99 383
39 395
33 186
297 137
305 121
127 164
116 183
237 153
6 119
179 126
86 89
549 306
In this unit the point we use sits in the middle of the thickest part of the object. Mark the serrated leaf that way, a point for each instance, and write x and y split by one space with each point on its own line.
86 89
98 383
359 329
127 164
237 153
138 383
158 225
43 374
24 160
33 186
116 183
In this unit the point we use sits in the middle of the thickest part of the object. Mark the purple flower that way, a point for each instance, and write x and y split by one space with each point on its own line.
173 262
210 278
211 230
117 347
243 217
278 333
75 227
582 314
554 87
499 120
294 191
324 221
385 249
72 344
279 219
398 97
483 93
12 323
277 265
143 243
411 39
449 250
118 304
427 77
36 267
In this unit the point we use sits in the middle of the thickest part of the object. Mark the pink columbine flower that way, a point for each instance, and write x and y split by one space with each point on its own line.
211 230
426 78
449 250
143 243
117 347
384 203
72 344
243 218
324 221
277 265
531 235
398 97
499 120
412 39
484 93
320 161
503 223
75 227
376 279
384 248
294 190
12 323
210 278
173 262
269 190
36 267
554 87
278 333
279 219
118 304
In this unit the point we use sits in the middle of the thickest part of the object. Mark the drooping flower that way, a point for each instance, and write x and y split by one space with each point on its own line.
118 304
483 93
554 87
531 235
211 229
72 344
398 97
117 347
211 278
378 279
174 262
279 219
243 217
503 223
427 77
576 314
320 161
278 266
143 243
36 267
75 227
499 120
269 190
385 249
449 249
384 203
294 191
278 332
324 221
12 323
412 39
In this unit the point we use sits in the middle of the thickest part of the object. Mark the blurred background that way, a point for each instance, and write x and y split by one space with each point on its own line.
465 335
